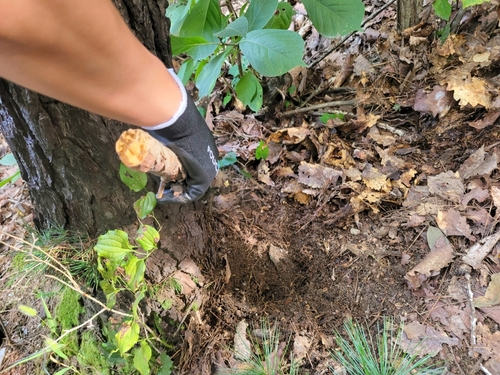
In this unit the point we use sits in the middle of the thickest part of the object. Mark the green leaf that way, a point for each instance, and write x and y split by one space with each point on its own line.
226 99
335 17
110 292
26 310
442 8
145 205
238 27
8 160
177 13
469 3
136 181
249 91
166 365
331 116
259 13
186 71
113 245
51 323
262 151
204 19
134 269
282 18
64 371
444 33
142 355
127 336
195 46
208 76
273 52
55 347
227 160
12 178
139 295
147 237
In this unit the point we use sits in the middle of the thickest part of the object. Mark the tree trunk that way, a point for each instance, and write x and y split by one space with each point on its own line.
408 12
67 155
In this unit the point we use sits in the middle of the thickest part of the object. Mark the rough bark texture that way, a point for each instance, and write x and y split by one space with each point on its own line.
66 155
408 11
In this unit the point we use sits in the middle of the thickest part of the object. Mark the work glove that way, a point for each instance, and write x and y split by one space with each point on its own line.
189 137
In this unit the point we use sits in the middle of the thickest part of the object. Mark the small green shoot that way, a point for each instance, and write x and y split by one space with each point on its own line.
8 161
227 160
262 151
331 116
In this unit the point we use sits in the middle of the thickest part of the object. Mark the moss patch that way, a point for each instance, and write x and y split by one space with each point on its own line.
67 316
90 357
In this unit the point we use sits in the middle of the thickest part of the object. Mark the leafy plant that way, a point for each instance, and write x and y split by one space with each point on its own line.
362 355
262 151
256 41
9 160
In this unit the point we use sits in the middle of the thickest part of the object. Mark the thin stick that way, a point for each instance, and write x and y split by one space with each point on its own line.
473 318
7 334
337 103
485 370
346 37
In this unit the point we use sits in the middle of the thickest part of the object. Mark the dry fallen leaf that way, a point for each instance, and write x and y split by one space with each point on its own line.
437 102
480 195
480 250
453 224
263 173
473 91
495 195
492 295
478 164
447 185
424 339
440 256
317 176
487 120
242 346
375 180
290 136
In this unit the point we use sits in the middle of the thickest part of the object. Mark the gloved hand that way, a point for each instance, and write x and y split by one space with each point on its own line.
189 137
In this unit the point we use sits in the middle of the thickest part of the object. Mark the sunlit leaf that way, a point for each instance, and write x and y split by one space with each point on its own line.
56 347
259 13
127 336
273 52
134 269
442 8
282 18
469 3
262 151
147 237
113 245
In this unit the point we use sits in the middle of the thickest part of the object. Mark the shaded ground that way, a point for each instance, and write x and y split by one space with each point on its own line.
339 220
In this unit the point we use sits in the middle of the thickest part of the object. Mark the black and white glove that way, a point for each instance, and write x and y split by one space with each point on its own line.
189 137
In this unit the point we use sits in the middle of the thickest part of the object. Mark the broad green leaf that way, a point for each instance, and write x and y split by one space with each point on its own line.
55 347
227 160
127 336
134 269
177 13
8 160
110 292
207 78
12 178
273 52
204 19
262 151
282 18
147 237
113 245
186 71
259 13
335 17
136 181
238 27
26 310
442 8
249 91
469 3
142 355
145 205
195 46
166 365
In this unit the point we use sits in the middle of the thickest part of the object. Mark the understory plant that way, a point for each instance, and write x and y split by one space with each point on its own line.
253 42
361 354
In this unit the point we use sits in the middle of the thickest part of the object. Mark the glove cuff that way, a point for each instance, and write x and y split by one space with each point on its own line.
182 106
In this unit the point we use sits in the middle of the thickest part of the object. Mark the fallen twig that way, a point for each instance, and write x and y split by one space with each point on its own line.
337 103
473 318
346 37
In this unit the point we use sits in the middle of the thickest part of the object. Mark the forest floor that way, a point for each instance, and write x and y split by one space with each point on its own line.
384 205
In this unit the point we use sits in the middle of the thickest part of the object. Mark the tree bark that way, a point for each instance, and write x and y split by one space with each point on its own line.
408 12
67 155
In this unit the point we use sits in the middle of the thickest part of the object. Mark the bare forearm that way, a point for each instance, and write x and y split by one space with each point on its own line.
83 53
